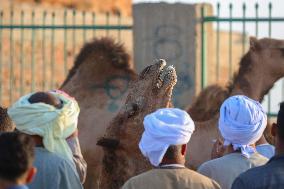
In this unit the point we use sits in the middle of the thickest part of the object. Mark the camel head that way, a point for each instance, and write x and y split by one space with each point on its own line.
270 55
100 60
122 157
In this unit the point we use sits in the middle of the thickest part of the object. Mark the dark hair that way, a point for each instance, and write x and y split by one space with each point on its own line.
280 121
173 152
16 155
46 98
6 123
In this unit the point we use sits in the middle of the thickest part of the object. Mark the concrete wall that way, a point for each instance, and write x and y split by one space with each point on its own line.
161 31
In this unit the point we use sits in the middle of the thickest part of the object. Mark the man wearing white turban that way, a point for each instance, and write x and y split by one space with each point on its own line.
241 123
163 143
51 119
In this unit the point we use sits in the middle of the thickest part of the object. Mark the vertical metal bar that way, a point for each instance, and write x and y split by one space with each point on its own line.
218 45
269 34
94 23
1 62
203 50
256 22
119 24
244 30
84 24
22 62
107 23
52 51
74 32
230 40
65 43
44 71
11 89
33 53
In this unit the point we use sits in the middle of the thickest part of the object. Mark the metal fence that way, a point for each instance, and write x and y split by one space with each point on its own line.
229 21
37 47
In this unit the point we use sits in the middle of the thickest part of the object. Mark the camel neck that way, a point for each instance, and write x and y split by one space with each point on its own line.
253 84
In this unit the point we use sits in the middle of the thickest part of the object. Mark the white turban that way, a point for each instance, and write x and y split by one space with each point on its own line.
52 124
241 123
164 127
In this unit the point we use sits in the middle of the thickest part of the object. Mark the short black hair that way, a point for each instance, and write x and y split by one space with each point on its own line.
173 152
47 98
16 155
6 123
280 121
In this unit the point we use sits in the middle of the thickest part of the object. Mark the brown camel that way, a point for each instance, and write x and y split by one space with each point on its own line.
259 69
99 81
122 158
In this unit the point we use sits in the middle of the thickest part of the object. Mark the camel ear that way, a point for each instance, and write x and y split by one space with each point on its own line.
108 143
253 43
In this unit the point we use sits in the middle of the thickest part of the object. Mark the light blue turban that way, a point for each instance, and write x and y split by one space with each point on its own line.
164 127
241 123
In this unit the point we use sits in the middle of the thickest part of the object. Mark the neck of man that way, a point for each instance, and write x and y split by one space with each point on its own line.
38 140
166 161
279 147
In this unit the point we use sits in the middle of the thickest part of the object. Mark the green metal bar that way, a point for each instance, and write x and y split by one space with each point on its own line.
22 61
269 34
256 17
65 44
33 54
119 23
269 114
236 19
52 52
84 23
71 27
218 45
44 62
230 41
1 60
11 89
203 49
74 33
244 30
94 23
107 23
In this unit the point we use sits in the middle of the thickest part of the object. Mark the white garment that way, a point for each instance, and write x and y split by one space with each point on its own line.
52 124
242 122
164 127
267 150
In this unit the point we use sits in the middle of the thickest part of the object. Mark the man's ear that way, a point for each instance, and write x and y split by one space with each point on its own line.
274 129
31 174
183 149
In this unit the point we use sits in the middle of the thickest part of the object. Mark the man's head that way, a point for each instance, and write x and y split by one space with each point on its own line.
167 131
278 128
241 123
6 123
16 158
42 113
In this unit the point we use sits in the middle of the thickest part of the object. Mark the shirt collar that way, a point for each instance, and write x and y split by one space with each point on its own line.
276 158
18 187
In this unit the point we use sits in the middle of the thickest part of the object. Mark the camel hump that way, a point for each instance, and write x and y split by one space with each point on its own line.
207 104
104 52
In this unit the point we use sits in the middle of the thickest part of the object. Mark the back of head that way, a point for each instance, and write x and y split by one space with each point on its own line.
16 155
280 121
45 97
166 130
6 123
242 122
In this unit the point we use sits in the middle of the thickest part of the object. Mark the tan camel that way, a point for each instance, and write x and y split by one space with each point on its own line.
122 158
99 81
259 69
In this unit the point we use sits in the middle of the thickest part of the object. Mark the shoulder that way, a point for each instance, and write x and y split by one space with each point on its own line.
135 181
258 159
208 182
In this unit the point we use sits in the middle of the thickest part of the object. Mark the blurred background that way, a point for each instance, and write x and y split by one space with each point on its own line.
39 40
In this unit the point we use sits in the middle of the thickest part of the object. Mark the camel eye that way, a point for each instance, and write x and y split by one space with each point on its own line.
144 72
